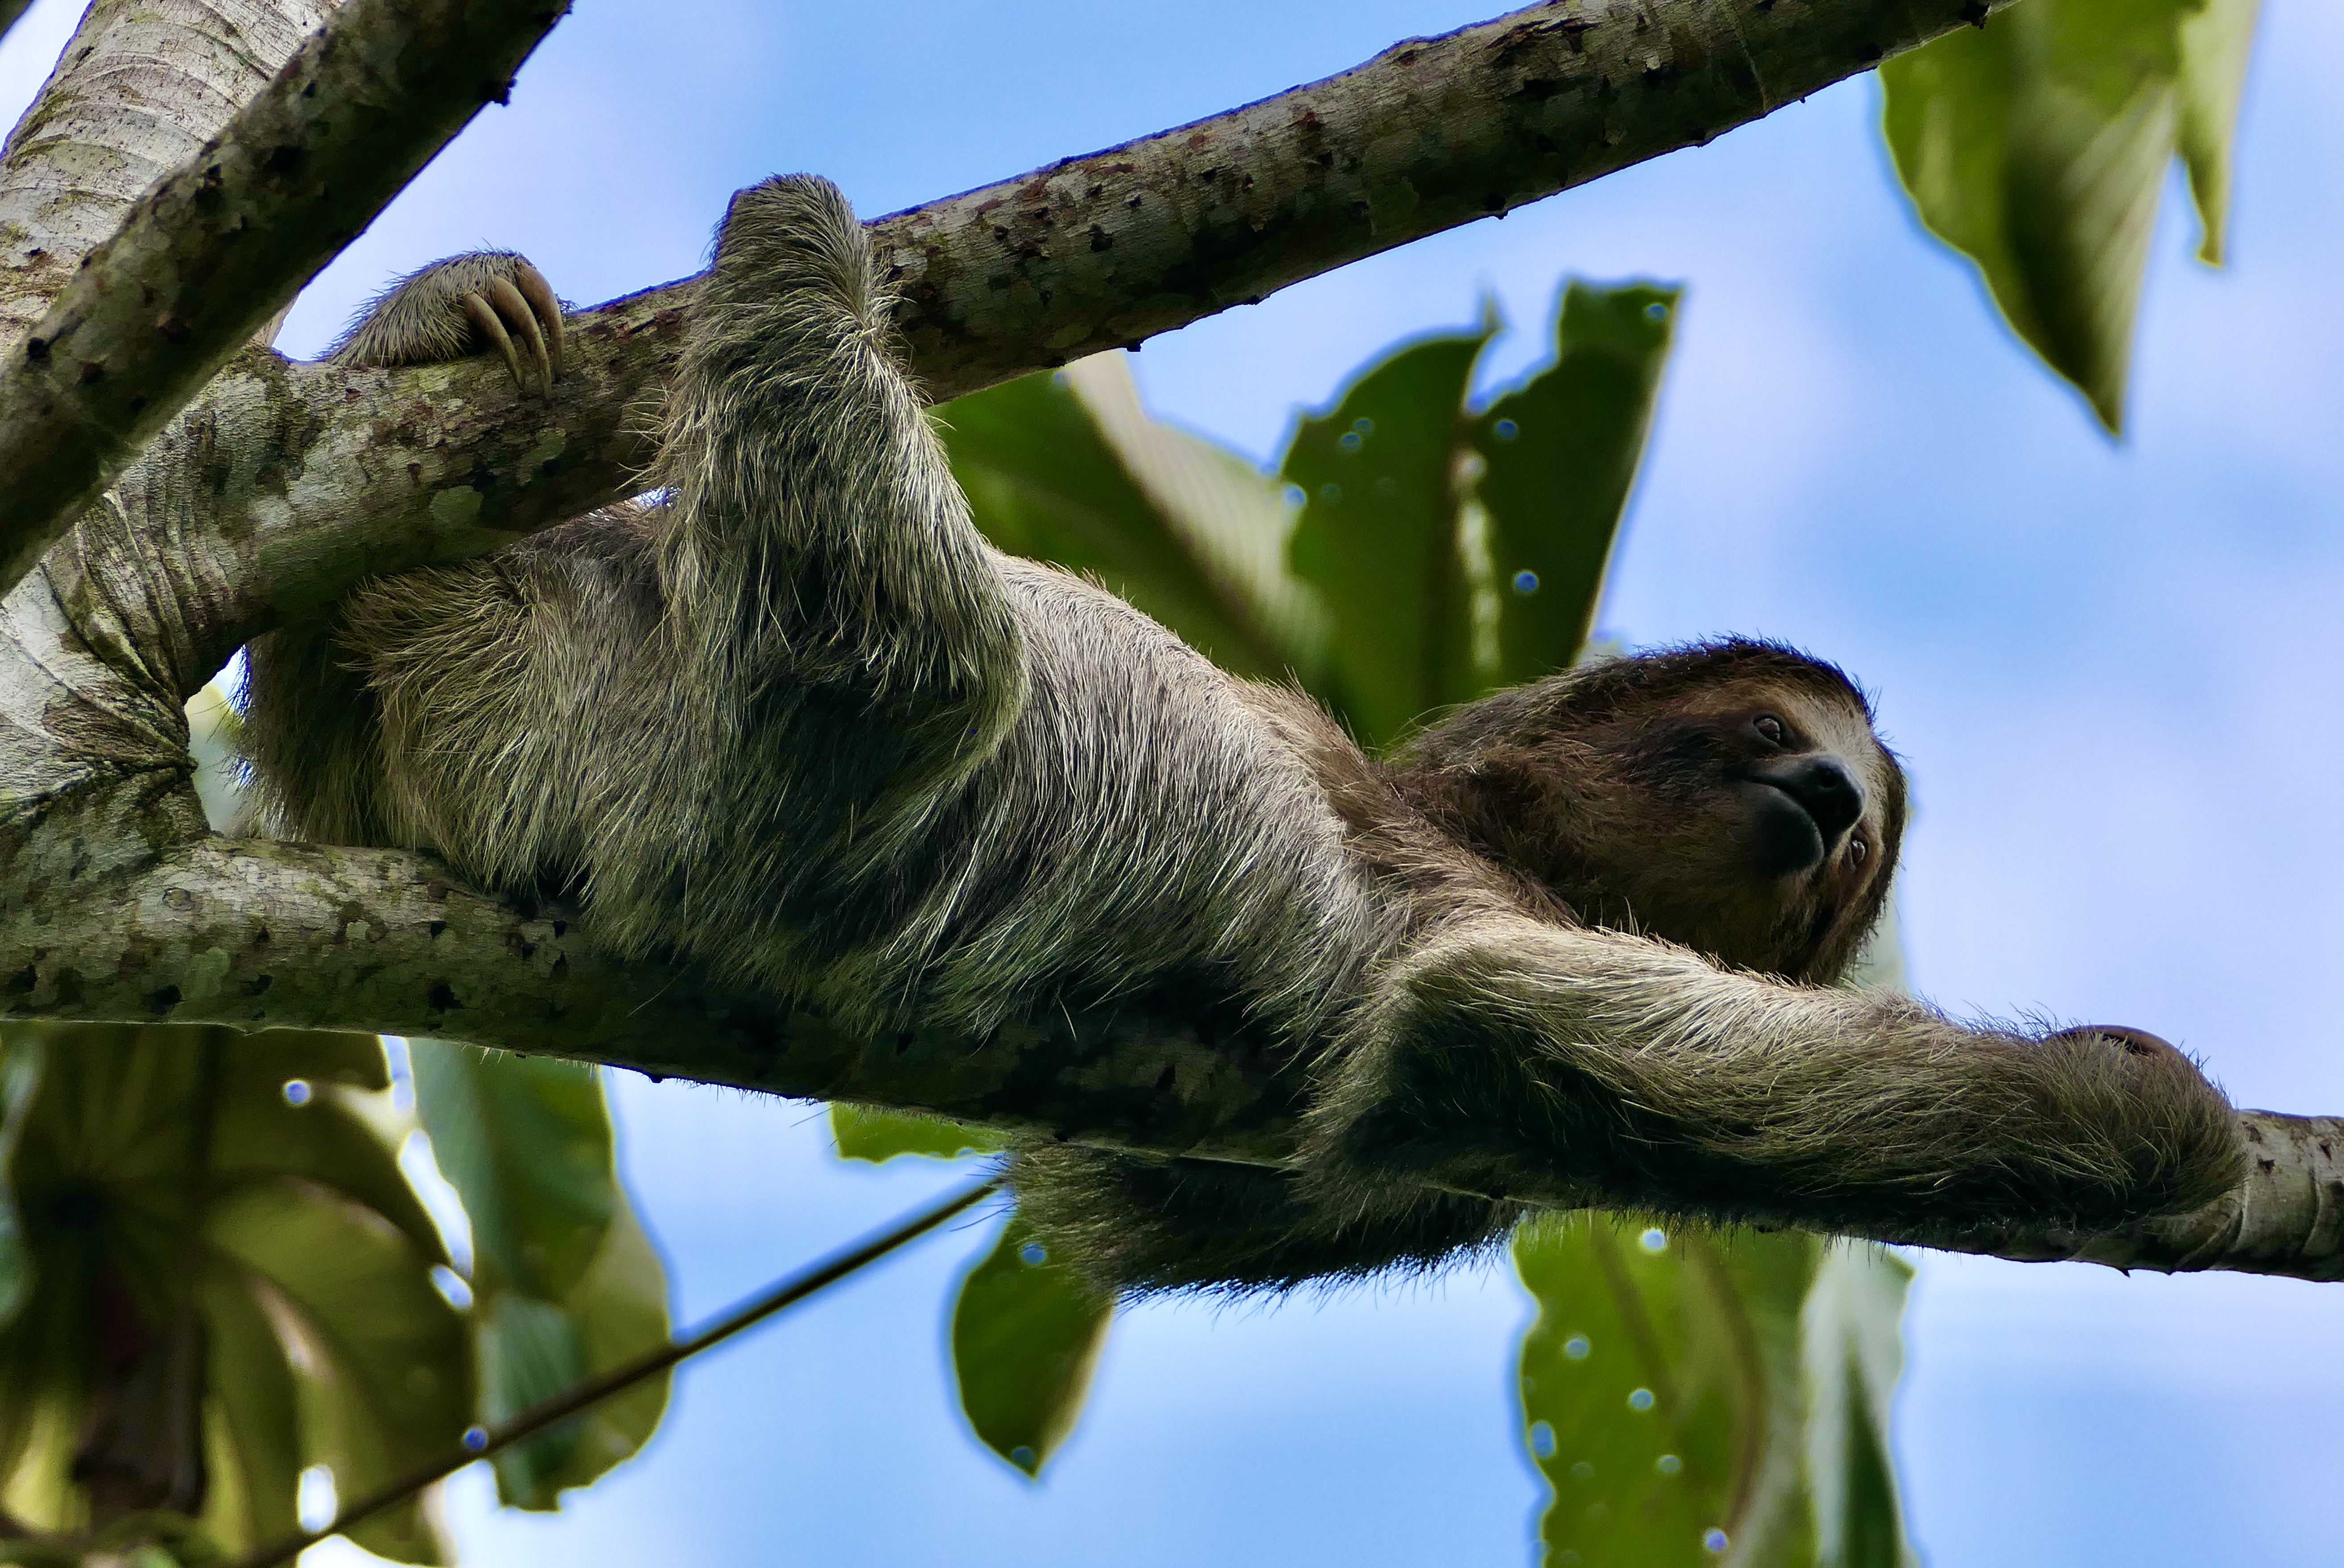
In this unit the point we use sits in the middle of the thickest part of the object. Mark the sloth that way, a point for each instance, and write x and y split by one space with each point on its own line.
799 725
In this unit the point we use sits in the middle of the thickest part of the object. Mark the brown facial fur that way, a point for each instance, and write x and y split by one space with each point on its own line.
1624 789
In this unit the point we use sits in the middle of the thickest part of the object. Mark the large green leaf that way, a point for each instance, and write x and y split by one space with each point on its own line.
1232 518
20 1081
868 1133
1559 455
1027 1333
1647 1386
310 1272
1043 481
2037 146
2215 44
564 1283
383 1368
1378 535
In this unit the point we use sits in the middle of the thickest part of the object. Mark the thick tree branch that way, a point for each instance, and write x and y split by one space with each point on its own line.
222 243
258 935
141 86
1092 253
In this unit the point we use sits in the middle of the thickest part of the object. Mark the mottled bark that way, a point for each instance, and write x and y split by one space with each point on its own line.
140 87
2287 1218
217 248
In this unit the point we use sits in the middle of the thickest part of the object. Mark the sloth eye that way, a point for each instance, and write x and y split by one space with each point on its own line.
1769 729
1858 851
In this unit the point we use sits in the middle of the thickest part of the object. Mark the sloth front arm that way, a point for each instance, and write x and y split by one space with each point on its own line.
1515 1058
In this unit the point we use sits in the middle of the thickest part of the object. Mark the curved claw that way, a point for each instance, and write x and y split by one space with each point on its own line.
485 318
540 295
516 311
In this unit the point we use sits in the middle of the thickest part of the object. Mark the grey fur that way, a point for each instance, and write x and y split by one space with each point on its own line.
802 726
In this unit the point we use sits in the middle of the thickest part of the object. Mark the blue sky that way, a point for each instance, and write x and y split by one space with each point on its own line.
2114 671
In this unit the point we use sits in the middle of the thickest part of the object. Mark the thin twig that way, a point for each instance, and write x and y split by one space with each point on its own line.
562 1406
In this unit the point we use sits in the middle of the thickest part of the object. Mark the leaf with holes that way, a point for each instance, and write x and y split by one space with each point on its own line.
1027 1333
1661 1391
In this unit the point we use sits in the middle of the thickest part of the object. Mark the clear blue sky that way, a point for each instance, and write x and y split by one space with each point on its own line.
2115 671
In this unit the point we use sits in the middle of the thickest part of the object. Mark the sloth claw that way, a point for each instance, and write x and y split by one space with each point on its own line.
484 319
510 305
460 307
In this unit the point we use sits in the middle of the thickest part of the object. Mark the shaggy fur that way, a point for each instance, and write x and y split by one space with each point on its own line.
802 725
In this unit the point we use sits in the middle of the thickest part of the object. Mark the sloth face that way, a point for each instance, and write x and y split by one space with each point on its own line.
1758 821
1730 797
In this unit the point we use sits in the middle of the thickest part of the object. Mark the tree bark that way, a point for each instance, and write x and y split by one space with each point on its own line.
141 86
284 485
216 248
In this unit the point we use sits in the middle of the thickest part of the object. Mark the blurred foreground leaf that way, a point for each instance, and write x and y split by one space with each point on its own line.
564 1283
1027 1333
212 1222
1854 1355
2037 146
1042 480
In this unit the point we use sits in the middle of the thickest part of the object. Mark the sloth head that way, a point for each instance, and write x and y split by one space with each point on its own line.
1731 796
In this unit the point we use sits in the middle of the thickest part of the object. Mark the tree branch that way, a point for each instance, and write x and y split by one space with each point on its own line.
75 161
224 242
259 935
1089 254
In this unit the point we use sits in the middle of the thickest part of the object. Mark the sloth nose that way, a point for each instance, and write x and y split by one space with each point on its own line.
1824 788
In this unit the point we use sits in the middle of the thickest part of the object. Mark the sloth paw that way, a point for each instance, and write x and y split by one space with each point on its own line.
487 299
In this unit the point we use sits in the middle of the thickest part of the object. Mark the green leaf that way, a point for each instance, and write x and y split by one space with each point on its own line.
1025 1336
2215 47
621 1311
526 1142
254 1424
1233 518
388 1383
2037 147
1043 481
20 1082
1378 535
310 1270
869 1133
1854 1355
532 1350
1652 1383
564 1281
1559 455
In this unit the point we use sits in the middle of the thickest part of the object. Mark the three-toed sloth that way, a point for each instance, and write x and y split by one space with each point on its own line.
801 725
